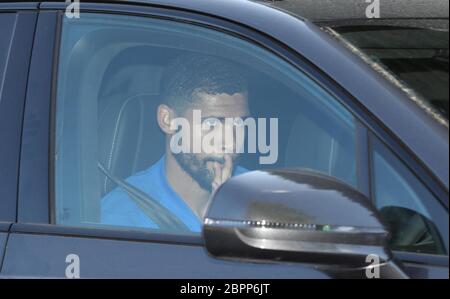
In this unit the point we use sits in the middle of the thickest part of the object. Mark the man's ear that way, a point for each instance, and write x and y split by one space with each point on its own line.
165 115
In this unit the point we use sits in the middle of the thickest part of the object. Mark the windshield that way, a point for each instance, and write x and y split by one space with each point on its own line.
416 58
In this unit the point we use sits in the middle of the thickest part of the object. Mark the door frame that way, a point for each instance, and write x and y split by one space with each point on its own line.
36 186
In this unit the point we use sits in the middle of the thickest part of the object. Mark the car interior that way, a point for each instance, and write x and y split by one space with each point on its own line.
118 79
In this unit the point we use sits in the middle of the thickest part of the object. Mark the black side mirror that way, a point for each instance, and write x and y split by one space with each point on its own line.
299 216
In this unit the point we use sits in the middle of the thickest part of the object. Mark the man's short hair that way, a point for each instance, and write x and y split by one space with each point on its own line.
190 74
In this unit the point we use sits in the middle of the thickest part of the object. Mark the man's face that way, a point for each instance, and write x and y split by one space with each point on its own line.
210 170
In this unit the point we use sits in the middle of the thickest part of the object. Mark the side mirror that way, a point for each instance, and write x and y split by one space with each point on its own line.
297 216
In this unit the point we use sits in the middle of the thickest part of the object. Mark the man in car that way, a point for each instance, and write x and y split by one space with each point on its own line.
183 182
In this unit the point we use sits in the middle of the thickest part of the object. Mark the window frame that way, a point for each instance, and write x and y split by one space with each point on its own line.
406 256
44 217
34 188
12 105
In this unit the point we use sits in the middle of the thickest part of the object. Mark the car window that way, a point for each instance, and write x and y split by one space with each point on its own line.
7 129
7 21
415 218
416 58
152 116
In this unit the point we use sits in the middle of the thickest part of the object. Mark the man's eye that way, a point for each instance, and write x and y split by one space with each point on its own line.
212 122
238 122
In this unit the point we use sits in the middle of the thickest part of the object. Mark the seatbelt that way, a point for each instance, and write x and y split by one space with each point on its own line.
152 208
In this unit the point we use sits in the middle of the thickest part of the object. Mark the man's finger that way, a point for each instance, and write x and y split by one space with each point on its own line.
227 169
217 173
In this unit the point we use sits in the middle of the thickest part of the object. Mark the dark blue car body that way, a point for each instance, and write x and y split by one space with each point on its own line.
32 246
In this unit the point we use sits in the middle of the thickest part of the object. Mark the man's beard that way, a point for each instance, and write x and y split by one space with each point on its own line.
197 169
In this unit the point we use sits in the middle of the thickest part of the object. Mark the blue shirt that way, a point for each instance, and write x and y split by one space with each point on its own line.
117 208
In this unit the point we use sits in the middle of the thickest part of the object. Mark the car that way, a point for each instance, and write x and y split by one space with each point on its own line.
346 176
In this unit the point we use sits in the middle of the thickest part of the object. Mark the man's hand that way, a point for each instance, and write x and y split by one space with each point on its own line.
222 172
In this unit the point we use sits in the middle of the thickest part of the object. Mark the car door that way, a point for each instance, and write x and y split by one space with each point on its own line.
16 29
59 222
65 174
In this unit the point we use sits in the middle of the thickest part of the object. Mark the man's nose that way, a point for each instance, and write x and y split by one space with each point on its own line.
228 139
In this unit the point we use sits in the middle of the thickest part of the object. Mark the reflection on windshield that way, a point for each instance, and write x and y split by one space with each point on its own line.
414 59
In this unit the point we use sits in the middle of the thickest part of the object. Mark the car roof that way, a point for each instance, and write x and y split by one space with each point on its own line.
335 10
315 10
